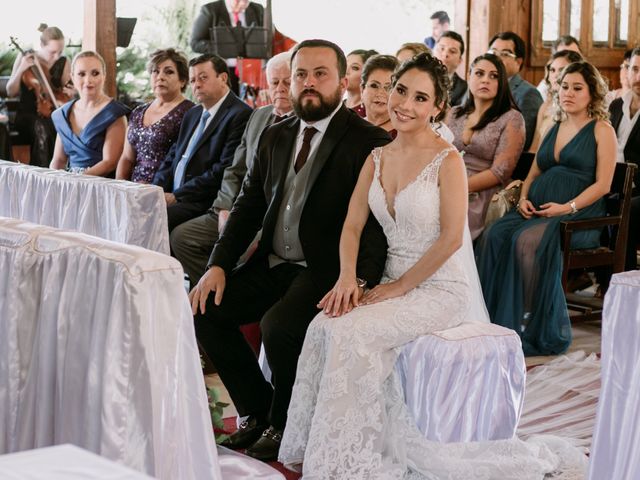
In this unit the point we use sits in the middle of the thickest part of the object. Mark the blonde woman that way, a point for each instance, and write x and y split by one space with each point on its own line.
90 129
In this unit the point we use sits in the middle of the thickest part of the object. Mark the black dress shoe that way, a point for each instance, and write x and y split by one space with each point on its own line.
246 435
267 446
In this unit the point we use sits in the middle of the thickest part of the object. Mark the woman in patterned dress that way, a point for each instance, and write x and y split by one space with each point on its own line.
154 127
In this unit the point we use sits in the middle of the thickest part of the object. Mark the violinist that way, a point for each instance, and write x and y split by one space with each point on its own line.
36 129
90 129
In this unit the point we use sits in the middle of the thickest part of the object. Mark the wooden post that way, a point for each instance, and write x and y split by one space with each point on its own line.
99 35
488 17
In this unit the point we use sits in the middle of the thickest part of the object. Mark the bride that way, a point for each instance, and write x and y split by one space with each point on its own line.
347 418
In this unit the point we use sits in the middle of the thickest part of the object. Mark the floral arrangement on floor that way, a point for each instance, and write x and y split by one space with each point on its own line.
216 407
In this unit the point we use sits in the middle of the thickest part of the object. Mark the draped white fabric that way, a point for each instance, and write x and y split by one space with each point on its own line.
465 383
561 399
97 348
63 462
115 210
615 452
235 466
462 384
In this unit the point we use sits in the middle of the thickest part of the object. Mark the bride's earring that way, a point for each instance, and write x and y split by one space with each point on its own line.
435 126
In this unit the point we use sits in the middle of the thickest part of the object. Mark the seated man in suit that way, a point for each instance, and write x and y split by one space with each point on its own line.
192 242
625 112
211 131
297 190
449 50
511 50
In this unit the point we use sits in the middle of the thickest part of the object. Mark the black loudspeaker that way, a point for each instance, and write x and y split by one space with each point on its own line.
124 31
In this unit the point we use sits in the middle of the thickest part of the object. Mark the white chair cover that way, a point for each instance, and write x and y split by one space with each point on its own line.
462 384
465 383
115 210
97 348
63 462
615 452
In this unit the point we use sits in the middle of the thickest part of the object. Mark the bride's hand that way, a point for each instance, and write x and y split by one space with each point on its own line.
382 292
342 298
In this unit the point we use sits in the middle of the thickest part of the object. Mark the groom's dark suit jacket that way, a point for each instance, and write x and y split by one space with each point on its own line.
339 158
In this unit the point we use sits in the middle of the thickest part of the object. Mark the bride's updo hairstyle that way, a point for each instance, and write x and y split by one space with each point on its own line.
426 62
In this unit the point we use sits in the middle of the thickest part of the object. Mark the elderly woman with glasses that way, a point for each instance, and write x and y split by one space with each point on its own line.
375 86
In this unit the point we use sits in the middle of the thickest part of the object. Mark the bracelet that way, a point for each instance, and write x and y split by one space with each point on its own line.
574 209
521 199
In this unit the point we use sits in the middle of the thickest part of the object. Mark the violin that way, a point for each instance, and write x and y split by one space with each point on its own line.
37 80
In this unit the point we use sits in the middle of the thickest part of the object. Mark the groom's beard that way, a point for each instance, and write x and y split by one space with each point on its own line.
309 112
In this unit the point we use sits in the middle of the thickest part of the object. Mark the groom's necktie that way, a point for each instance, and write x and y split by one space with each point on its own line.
178 176
303 154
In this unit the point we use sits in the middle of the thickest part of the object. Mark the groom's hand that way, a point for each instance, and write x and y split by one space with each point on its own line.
213 280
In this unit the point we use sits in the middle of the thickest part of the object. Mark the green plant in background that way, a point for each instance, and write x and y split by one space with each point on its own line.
132 78
177 19
174 23
7 58
216 408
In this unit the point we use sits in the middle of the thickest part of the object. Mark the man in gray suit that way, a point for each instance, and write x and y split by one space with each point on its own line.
510 48
192 241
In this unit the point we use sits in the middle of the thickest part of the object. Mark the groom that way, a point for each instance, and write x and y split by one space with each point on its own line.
298 191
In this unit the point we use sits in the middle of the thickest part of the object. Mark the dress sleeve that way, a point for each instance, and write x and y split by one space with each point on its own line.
510 144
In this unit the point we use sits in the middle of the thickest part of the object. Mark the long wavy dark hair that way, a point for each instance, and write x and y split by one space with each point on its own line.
426 62
503 101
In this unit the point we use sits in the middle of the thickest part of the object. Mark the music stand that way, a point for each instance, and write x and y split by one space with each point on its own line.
241 42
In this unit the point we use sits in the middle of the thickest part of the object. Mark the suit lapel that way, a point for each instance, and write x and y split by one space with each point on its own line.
251 17
191 123
213 124
279 165
335 131
634 135
616 114
515 81
222 14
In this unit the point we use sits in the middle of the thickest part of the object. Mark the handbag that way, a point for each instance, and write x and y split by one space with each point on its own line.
503 201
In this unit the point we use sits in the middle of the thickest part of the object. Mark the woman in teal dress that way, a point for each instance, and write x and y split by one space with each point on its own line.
519 256
90 129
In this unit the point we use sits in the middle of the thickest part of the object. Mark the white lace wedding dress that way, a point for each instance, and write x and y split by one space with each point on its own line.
347 418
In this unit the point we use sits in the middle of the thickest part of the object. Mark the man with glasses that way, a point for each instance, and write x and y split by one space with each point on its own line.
509 47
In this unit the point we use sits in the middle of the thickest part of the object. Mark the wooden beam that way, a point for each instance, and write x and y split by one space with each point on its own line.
488 17
99 35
